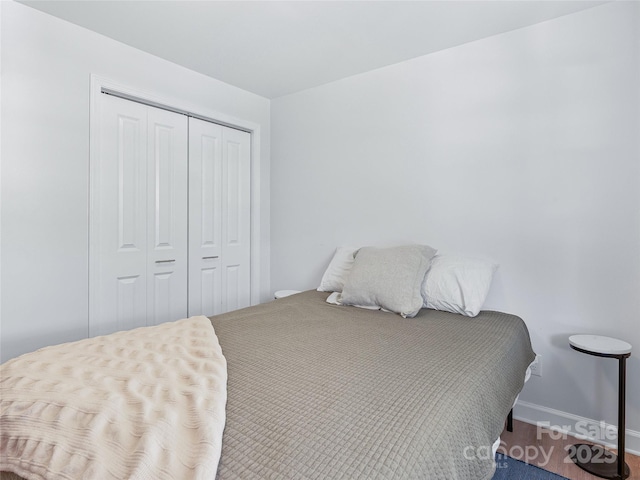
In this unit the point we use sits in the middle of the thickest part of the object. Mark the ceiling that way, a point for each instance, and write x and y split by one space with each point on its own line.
275 48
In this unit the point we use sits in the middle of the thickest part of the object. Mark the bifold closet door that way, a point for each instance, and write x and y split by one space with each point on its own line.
219 218
138 245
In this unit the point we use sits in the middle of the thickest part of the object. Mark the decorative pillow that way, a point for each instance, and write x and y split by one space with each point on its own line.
389 278
338 270
458 284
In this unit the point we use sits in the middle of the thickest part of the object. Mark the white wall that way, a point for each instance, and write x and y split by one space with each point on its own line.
46 68
523 146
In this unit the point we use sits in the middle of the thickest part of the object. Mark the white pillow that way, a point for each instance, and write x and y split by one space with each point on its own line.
336 299
338 270
388 277
457 283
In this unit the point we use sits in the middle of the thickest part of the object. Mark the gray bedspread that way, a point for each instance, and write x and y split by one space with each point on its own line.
318 391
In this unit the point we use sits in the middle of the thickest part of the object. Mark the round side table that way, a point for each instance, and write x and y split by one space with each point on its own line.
594 458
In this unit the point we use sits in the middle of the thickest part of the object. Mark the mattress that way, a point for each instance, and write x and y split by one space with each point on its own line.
321 391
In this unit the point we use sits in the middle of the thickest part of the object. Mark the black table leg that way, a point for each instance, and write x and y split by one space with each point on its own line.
622 392
594 458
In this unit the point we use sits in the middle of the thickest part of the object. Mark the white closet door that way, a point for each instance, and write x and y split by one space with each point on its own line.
205 217
139 207
219 218
166 216
236 219
118 219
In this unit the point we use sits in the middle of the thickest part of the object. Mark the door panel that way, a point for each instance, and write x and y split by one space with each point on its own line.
160 309
119 299
167 216
130 154
210 188
128 305
163 181
236 216
210 300
233 293
219 218
205 217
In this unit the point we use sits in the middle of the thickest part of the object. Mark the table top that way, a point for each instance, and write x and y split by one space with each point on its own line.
600 344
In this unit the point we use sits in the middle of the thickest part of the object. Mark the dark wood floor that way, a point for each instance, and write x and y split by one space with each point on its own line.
554 457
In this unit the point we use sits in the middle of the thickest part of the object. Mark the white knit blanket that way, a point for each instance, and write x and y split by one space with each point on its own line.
141 404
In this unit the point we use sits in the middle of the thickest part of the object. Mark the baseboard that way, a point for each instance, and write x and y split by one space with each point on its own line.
576 426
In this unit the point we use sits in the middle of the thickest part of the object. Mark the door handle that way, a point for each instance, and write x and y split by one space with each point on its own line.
209 258
164 261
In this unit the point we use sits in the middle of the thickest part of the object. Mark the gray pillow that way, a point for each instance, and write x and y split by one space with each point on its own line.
389 278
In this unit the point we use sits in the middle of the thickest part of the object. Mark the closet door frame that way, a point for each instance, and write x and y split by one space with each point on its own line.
99 84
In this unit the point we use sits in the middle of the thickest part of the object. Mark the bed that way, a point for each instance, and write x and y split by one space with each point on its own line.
323 391
318 391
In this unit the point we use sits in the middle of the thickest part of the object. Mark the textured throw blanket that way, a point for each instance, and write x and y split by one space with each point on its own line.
141 404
